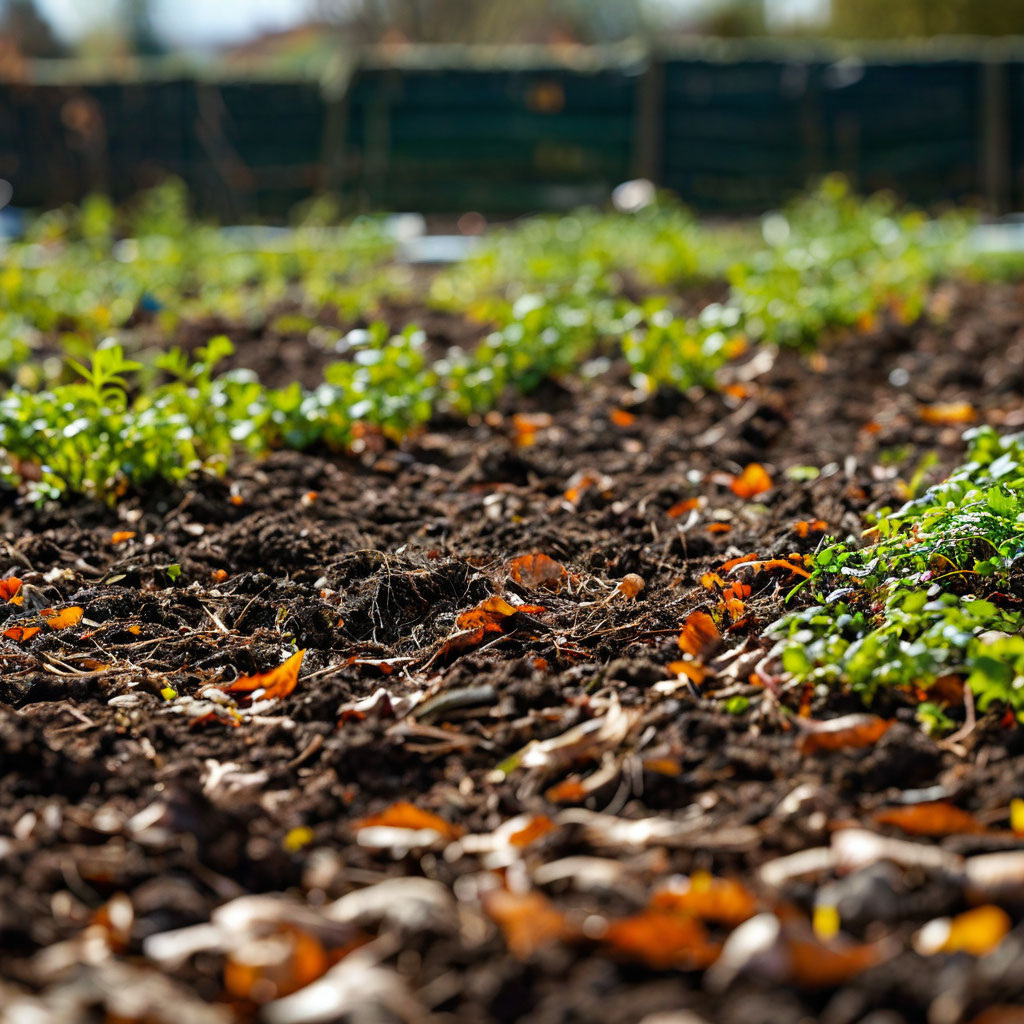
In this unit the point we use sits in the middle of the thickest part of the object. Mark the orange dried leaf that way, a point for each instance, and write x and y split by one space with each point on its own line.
537 571
945 414
539 825
936 818
136 629
710 580
63 619
816 965
274 967
733 562
976 931
754 480
493 612
846 733
680 508
779 563
10 590
570 791
805 527
21 633
709 898
406 815
668 766
700 635
120 536
621 418
663 940
527 920
719 528
693 670
278 682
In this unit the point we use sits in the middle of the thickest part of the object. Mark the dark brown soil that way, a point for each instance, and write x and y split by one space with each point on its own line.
113 796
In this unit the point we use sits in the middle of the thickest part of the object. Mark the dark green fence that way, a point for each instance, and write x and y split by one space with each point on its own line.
730 131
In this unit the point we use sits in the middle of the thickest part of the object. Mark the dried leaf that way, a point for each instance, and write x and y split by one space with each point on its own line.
680 508
709 898
275 965
977 932
663 940
846 733
21 633
804 528
571 791
754 480
948 414
527 920
406 815
278 682
779 563
621 418
492 613
815 964
120 536
10 590
538 826
936 818
537 571
699 636
63 619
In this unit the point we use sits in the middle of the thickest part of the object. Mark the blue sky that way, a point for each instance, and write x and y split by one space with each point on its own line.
185 22
210 22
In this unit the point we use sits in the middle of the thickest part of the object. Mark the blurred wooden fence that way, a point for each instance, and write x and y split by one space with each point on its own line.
729 130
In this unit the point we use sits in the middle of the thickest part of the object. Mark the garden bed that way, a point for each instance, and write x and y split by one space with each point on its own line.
561 776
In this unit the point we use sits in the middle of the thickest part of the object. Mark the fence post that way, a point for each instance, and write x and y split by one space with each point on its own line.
994 157
649 120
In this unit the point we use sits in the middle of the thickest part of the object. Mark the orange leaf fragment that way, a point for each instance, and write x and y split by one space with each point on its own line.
10 590
680 508
668 766
945 414
805 527
693 670
219 575
406 815
816 965
236 500
527 920
275 966
846 733
278 682
63 619
779 563
719 527
537 571
700 635
976 931
21 633
526 426
754 480
539 825
492 613
136 629
935 818
709 898
621 418
120 536
571 791
662 940
733 562
710 580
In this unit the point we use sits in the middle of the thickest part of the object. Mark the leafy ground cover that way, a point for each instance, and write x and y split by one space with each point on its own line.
572 691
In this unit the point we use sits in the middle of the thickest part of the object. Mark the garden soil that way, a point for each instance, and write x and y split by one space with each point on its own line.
577 775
